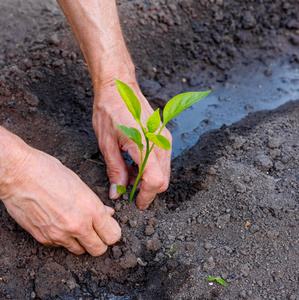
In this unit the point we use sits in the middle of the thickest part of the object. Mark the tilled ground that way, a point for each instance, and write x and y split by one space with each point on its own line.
232 206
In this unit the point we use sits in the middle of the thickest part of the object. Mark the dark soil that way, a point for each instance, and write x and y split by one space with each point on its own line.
232 206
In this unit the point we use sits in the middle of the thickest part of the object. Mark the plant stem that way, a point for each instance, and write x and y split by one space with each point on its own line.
148 151
141 160
140 170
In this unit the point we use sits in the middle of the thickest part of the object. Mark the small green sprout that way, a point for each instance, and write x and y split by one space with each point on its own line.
218 279
170 251
173 107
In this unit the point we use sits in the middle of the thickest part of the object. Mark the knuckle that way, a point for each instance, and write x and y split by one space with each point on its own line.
154 182
57 237
164 187
76 227
113 170
73 228
41 239
158 181
101 217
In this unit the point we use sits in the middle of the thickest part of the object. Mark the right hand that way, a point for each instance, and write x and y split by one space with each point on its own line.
109 109
56 207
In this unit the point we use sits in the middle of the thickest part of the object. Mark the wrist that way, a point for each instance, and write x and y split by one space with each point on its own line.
108 102
97 28
108 95
119 67
14 154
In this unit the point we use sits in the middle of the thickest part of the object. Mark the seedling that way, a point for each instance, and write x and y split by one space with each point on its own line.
218 279
173 107
169 253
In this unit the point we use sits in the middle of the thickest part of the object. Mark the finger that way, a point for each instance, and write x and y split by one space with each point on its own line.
167 159
59 241
109 210
116 167
76 248
72 245
164 159
167 173
106 228
153 182
93 244
57 238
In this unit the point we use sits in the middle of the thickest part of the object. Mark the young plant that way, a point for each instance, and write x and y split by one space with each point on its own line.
170 252
218 279
173 107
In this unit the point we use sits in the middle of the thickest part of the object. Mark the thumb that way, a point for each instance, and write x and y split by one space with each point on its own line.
116 169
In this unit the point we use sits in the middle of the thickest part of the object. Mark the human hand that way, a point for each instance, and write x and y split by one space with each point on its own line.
98 31
56 207
109 109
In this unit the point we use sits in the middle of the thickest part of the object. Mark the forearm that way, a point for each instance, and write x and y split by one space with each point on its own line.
13 154
97 28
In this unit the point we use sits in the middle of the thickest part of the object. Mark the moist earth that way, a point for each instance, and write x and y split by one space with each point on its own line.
231 209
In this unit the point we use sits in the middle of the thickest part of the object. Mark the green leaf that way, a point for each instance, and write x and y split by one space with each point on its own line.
221 281
159 140
133 134
121 189
153 122
210 278
130 99
180 102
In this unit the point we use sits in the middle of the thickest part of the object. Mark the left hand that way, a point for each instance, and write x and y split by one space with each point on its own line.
51 202
110 109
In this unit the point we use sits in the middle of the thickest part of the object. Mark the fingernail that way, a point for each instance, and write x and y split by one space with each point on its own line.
109 210
113 194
